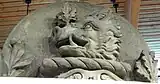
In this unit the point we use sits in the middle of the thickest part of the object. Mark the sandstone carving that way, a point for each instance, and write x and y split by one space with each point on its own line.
78 41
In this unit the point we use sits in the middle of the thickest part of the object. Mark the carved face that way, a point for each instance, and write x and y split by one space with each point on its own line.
95 37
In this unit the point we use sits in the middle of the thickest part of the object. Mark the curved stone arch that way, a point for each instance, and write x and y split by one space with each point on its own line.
31 36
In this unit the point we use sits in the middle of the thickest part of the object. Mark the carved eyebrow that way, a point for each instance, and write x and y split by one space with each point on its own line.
92 24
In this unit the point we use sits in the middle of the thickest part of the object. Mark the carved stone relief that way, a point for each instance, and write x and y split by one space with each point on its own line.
92 75
82 44
141 68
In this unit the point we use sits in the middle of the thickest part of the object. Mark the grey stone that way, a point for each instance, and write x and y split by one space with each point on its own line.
79 41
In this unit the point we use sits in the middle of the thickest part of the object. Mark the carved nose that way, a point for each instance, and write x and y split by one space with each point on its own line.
55 31
72 40
63 33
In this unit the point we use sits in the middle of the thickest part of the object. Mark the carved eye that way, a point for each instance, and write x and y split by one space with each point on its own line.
101 16
90 26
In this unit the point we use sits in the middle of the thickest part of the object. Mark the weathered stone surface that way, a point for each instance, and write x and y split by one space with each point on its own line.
76 40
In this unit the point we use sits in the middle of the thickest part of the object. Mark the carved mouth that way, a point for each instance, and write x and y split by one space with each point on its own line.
62 42
77 41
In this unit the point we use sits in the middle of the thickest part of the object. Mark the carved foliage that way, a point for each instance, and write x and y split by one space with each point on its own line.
17 59
142 69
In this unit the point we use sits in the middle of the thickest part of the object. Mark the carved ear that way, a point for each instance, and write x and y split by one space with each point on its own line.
142 70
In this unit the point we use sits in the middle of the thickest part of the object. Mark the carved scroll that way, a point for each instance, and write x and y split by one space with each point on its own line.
91 75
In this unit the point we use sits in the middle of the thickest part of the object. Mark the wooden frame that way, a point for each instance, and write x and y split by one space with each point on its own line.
132 9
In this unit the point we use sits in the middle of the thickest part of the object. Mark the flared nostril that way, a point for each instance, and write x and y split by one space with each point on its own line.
61 23
72 21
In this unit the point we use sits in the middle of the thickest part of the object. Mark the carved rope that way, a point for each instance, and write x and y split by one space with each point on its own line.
57 64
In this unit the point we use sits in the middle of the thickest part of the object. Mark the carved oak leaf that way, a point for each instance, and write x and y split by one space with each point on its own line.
66 10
